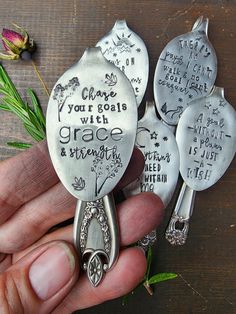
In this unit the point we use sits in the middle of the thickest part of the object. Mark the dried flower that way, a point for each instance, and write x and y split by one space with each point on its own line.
17 44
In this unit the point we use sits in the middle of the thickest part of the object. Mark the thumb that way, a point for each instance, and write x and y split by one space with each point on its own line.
39 281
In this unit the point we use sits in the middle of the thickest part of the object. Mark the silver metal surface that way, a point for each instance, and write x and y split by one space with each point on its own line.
177 230
91 128
160 150
206 136
96 236
186 70
148 240
128 52
161 170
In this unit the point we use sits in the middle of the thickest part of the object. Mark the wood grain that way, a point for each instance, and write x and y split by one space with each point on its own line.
63 29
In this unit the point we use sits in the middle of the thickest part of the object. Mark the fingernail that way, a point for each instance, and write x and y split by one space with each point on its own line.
52 270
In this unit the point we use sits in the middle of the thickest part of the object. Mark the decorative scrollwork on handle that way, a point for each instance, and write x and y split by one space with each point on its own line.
148 240
95 260
174 235
96 265
96 236
95 210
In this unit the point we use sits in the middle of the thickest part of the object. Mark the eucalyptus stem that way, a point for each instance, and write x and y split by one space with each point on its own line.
40 78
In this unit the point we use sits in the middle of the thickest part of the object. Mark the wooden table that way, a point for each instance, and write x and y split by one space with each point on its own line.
63 29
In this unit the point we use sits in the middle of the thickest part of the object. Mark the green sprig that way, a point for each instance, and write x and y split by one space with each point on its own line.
31 115
19 145
148 281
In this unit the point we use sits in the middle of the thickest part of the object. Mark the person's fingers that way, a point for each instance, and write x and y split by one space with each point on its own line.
133 170
5 261
126 274
23 177
53 206
137 216
38 282
144 210
35 218
61 234
31 173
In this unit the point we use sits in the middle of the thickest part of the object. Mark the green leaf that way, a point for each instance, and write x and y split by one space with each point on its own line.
4 107
4 91
37 108
10 86
19 145
161 277
33 118
22 114
33 132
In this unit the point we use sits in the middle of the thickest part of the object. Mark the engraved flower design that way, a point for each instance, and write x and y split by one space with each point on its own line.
62 93
95 270
104 171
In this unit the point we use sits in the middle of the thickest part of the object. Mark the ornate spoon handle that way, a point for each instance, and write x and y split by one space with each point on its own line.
182 213
96 236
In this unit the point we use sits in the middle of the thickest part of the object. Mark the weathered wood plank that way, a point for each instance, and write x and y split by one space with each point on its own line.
62 30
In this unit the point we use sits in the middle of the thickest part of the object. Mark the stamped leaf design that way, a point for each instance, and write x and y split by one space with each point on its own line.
79 184
111 80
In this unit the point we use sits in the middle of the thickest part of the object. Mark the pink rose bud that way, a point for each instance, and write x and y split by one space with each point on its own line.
17 45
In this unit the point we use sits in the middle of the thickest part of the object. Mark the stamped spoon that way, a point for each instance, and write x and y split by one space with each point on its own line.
186 70
161 170
126 50
178 78
91 127
206 136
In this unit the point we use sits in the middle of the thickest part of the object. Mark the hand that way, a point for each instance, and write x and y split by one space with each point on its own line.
40 269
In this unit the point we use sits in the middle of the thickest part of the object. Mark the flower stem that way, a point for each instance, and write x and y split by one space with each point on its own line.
40 78
148 287
99 190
